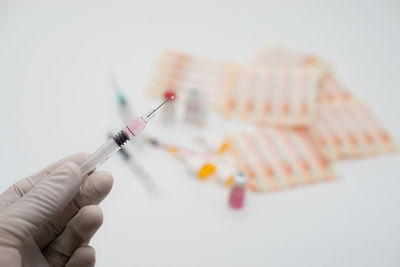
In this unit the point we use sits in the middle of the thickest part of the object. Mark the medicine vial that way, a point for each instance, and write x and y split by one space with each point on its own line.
194 108
237 194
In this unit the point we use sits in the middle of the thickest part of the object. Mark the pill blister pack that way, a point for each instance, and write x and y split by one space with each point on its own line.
342 127
348 129
282 96
328 89
300 117
277 158
182 72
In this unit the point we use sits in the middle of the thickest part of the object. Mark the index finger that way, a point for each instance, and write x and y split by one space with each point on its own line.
20 188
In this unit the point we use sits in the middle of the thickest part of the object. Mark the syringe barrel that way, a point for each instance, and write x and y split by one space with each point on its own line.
98 157
104 152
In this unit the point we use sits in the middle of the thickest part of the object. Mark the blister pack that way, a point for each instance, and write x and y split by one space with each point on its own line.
328 88
282 96
275 158
182 72
346 128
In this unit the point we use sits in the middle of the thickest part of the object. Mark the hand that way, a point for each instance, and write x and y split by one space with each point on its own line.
48 219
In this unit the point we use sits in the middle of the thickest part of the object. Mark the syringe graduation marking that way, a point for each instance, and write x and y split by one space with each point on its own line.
130 130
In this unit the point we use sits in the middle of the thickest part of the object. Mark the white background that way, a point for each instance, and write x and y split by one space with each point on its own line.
55 100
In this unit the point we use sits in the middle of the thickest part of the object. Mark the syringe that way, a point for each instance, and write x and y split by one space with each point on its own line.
117 141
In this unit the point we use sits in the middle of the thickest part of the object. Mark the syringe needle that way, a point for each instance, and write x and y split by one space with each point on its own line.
159 106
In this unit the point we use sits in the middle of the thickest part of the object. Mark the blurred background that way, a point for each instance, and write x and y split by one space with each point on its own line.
56 100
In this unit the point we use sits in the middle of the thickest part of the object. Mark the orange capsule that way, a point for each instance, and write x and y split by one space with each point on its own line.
223 147
205 171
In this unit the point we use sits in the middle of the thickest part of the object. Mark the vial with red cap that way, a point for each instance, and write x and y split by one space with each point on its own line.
168 116
238 190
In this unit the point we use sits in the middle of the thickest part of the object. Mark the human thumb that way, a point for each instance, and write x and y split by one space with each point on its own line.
42 203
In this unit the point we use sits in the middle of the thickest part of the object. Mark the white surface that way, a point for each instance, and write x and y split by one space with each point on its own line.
55 100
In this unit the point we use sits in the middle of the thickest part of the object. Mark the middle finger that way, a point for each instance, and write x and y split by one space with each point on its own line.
94 189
